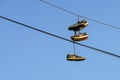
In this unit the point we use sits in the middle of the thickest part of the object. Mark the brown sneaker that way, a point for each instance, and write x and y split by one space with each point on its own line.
78 26
74 57
80 37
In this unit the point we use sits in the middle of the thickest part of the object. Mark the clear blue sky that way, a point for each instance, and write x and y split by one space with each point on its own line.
26 54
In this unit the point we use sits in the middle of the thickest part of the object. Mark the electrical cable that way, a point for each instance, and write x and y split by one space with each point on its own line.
59 7
79 15
33 28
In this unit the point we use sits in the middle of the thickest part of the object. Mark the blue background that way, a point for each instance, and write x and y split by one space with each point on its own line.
26 54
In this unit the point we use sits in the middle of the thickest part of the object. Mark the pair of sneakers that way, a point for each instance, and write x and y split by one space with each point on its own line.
76 28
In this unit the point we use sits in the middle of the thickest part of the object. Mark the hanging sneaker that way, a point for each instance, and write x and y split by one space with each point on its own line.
74 57
78 26
83 24
80 37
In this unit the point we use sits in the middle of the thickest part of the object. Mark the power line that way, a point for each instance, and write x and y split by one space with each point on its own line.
45 32
59 8
51 4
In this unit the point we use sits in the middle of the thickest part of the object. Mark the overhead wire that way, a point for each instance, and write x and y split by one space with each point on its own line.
45 32
73 13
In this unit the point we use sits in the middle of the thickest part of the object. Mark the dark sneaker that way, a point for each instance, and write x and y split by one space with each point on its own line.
74 57
78 26
83 24
80 37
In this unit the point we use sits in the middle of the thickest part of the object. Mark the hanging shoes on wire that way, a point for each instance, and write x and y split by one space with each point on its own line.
76 28
78 36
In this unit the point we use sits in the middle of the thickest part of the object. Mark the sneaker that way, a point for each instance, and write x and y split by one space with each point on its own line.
80 37
74 57
78 26
83 24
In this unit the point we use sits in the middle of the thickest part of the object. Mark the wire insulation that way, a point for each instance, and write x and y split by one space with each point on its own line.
33 28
